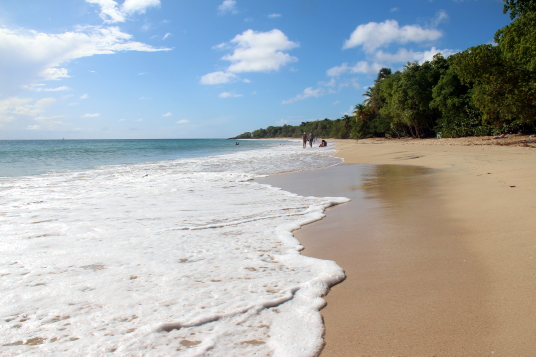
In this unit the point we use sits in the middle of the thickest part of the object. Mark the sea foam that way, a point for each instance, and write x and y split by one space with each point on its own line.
175 258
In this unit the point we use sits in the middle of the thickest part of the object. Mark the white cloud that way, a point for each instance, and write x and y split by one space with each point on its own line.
51 74
227 95
441 16
307 92
253 52
12 107
218 78
84 96
166 36
167 114
111 12
28 56
89 115
374 35
259 51
331 83
138 6
404 55
183 121
227 6
48 123
245 80
33 127
394 9
39 89
274 16
359 67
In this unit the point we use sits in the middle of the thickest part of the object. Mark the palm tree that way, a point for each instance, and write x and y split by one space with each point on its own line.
384 73
367 94
362 112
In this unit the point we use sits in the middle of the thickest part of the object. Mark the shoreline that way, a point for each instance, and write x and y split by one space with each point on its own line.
437 246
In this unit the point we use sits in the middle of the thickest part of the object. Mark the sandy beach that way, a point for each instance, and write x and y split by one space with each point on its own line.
438 245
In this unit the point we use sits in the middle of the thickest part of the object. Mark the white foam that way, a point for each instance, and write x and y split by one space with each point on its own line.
186 257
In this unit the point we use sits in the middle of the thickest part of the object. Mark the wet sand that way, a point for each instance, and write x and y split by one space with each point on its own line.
438 249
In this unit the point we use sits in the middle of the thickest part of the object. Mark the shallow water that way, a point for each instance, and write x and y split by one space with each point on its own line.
34 157
178 257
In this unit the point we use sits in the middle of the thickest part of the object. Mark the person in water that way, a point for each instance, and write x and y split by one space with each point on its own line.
311 138
323 143
304 139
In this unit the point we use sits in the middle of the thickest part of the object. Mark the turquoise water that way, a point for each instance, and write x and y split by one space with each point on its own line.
34 157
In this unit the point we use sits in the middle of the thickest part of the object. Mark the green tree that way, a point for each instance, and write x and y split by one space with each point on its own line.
407 96
518 7
375 101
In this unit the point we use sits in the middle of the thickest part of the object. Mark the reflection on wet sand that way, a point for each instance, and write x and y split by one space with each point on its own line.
413 286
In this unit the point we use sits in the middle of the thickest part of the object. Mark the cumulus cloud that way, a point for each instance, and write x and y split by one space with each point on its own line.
91 115
307 92
183 121
28 56
259 51
360 67
404 55
253 52
218 78
13 107
375 35
51 74
138 6
228 95
111 11
167 114
227 6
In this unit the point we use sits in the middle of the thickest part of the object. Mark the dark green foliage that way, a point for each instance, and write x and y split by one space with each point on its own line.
504 76
518 7
483 90
407 96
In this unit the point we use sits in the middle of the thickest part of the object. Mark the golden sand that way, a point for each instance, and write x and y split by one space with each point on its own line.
438 245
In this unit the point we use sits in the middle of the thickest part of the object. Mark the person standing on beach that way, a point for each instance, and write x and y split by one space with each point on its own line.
304 139
311 138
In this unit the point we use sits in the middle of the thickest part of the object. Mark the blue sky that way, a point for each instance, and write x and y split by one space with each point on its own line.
104 69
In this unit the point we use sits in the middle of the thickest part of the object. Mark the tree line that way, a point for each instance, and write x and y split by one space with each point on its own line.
484 90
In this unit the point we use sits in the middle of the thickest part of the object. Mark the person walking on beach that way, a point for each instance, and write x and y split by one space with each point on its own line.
304 139
311 138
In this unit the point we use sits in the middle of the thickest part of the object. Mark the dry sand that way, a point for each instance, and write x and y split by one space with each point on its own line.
438 245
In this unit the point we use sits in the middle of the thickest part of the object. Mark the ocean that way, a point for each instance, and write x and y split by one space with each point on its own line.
158 248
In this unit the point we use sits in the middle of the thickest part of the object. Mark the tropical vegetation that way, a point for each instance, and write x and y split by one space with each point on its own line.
484 90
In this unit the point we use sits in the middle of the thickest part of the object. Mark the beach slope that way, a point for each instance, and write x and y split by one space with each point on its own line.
438 245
